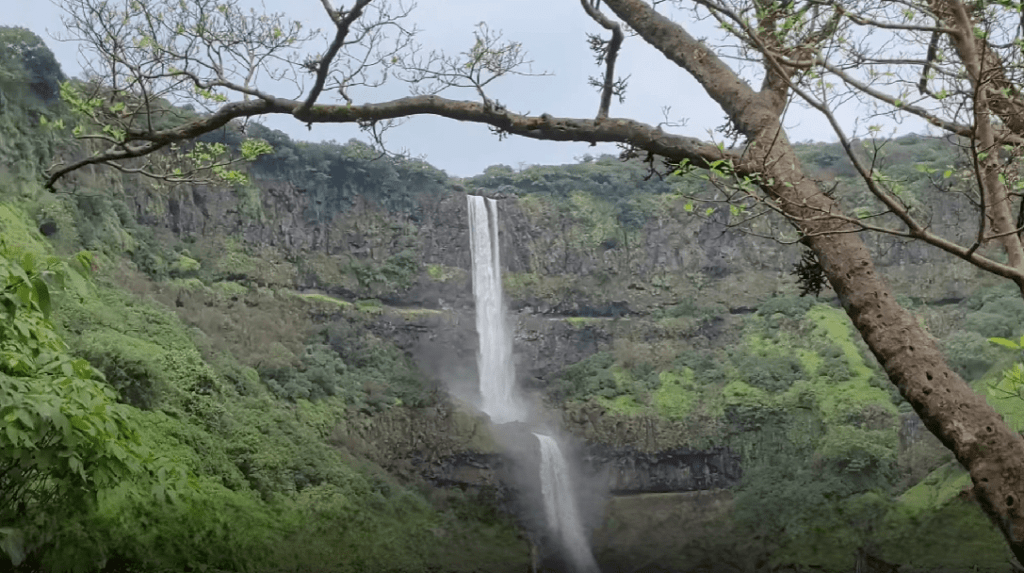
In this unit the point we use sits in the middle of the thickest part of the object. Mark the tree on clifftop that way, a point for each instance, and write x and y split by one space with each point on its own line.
25 56
954 64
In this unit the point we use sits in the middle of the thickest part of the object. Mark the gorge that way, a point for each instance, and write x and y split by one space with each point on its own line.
299 357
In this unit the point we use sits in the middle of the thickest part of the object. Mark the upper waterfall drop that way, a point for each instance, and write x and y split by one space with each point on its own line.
498 395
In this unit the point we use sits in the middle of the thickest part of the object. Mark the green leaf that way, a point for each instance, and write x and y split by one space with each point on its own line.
79 286
42 295
75 463
85 259
13 435
82 426
1004 342
26 419
25 294
253 148
28 262
12 542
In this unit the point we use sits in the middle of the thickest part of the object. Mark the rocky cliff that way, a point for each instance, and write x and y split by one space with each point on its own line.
579 274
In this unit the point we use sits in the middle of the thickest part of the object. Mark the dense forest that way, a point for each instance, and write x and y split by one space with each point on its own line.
269 373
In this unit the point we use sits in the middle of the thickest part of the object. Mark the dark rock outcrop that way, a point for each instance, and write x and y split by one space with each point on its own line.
628 471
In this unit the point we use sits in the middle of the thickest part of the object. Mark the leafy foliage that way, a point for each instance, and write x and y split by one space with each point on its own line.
243 479
791 306
64 436
338 177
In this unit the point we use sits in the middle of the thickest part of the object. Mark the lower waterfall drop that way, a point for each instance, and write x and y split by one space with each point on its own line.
560 506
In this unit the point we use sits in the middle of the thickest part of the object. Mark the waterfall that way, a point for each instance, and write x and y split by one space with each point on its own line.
498 395
560 506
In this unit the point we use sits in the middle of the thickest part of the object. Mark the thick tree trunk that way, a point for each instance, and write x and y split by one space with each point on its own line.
960 417
956 414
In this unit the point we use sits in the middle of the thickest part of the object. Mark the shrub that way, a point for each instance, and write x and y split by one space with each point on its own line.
992 324
132 366
184 266
590 376
676 397
696 308
747 407
970 354
868 453
65 438
791 306
320 373
773 372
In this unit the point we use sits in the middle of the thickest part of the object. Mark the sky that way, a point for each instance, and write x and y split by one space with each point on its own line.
554 35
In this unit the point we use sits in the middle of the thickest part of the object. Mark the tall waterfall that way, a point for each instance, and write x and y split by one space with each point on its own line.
499 397
560 507
498 393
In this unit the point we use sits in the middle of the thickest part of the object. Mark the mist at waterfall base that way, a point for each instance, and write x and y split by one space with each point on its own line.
511 414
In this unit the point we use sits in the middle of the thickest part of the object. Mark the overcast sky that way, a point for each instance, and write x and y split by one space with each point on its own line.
553 32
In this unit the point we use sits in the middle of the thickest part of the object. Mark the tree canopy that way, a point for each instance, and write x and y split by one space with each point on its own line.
25 56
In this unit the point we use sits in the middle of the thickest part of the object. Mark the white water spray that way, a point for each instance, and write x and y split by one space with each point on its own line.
499 397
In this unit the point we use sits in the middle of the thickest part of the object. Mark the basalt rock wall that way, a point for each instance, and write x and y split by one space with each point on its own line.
554 266
572 293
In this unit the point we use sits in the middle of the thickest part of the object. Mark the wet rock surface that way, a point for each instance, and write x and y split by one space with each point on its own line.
628 471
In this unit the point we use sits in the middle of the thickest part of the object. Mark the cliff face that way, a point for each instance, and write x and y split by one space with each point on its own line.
629 471
574 258
574 262
577 276
570 300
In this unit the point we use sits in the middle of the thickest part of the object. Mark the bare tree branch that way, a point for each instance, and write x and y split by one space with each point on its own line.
343 21
607 52
543 127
